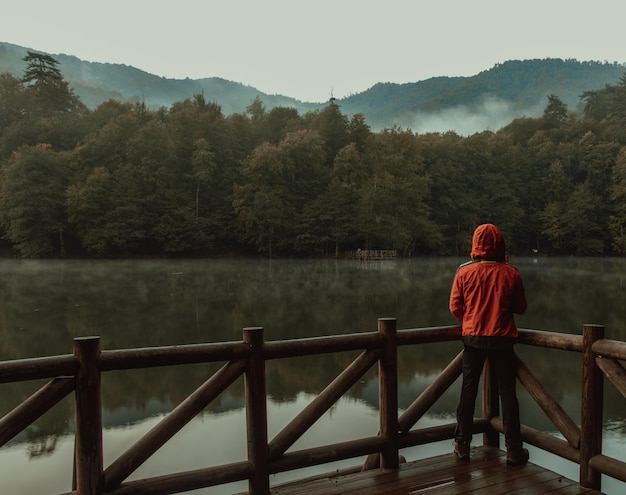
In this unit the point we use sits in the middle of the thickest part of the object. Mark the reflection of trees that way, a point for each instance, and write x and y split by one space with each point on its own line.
42 435
41 445
149 303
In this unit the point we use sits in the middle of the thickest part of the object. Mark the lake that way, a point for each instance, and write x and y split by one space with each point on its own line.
143 303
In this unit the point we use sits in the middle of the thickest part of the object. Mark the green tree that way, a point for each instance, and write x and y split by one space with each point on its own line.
393 201
198 129
277 123
47 91
618 101
256 110
261 205
359 131
11 92
41 68
129 169
111 213
521 130
44 111
607 107
278 183
333 214
571 226
597 103
33 201
555 113
449 198
333 127
90 207
617 220
203 164
486 191
107 112
200 228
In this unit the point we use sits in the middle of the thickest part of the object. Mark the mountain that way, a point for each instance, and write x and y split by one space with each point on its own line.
485 101
488 100
96 82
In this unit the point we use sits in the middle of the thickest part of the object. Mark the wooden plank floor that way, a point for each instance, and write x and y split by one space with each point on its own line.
485 474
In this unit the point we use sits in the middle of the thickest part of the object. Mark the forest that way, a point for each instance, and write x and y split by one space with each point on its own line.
122 180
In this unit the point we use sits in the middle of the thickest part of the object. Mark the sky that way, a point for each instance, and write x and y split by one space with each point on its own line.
314 50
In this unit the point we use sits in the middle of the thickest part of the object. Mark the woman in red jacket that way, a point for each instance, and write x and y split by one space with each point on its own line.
485 295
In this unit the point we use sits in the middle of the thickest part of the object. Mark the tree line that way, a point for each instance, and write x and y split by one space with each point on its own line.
122 180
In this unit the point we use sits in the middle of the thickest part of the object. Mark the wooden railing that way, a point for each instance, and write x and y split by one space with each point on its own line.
80 373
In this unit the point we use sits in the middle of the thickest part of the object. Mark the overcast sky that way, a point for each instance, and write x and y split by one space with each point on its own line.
311 50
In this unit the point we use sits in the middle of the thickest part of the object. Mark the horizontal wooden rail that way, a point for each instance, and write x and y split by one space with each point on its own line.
355 448
185 481
324 455
150 357
609 466
540 338
438 433
610 348
20 370
322 345
428 335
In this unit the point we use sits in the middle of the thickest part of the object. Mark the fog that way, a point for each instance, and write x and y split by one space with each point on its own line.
490 114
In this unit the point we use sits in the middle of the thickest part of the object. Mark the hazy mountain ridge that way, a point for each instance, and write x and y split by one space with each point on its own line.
488 100
494 97
96 82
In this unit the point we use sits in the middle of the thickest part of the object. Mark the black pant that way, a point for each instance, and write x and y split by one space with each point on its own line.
503 365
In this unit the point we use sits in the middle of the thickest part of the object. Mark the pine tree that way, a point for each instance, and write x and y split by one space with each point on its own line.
41 68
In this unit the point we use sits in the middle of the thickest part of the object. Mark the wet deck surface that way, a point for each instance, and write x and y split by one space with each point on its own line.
486 474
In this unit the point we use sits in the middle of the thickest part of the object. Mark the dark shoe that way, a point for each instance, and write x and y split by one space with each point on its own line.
462 450
517 456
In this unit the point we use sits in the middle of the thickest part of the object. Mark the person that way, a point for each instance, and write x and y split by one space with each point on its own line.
486 293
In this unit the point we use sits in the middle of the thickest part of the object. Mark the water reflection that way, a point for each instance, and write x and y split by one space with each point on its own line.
149 303
192 448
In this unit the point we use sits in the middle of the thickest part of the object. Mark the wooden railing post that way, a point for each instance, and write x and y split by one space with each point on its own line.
592 407
388 393
88 436
256 412
491 405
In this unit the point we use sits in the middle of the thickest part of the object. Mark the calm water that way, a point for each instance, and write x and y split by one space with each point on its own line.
45 304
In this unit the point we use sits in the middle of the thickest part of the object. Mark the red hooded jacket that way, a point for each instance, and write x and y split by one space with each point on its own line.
487 291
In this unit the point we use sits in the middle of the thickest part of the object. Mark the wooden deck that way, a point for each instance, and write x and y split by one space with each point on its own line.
486 474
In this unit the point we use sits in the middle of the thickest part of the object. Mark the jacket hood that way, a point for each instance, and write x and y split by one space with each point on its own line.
488 243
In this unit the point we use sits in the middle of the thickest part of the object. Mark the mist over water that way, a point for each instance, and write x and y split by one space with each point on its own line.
153 302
